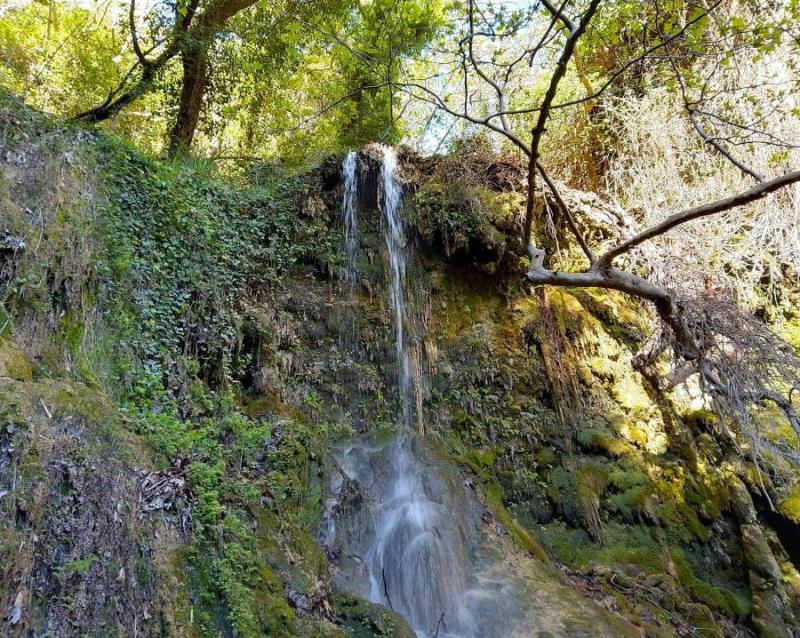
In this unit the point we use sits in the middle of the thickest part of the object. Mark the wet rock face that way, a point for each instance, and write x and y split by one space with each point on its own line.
406 531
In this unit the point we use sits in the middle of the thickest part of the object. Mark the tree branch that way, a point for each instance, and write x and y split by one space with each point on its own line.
567 213
704 210
500 96
134 37
544 111
558 12
720 148
619 72
186 31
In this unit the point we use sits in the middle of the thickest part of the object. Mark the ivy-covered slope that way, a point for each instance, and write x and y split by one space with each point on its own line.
173 372
139 497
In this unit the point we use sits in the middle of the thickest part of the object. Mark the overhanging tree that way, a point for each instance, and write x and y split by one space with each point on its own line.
189 37
739 363
286 38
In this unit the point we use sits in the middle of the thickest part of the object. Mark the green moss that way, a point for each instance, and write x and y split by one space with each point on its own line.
275 616
77 399
521 536
634 504
731 603
623 545
80 565
312 628
594 438
592 477
702 619
291 550
13 363
791 332
790 505
693 522
563 492
481 462
271 405
567 545
367 620
546 457
624 475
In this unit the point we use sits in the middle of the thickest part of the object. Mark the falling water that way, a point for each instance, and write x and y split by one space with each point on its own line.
395 236
401 524
350 215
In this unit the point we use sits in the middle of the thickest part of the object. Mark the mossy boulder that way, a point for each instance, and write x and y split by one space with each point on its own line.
363 619
13 363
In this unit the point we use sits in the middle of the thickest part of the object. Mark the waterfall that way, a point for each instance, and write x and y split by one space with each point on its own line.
350 217
398 518
395 236
417 565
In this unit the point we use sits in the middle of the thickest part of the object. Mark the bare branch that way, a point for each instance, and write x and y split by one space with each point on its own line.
435 100
544 111
619 72
704 210
720 148
558 12
479 71
134 37
567 213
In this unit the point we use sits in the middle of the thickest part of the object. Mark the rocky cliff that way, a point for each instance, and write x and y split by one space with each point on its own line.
177 371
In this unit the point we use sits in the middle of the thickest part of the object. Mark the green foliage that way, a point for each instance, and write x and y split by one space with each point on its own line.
170 254
183 249
67 57
61 57
79 566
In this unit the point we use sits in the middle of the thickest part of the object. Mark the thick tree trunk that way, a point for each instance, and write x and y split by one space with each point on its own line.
195 81
191 40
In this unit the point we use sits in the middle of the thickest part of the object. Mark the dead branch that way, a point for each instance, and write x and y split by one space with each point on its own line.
704 210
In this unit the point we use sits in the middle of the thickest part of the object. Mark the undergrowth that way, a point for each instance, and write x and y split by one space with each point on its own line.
182 251
168 253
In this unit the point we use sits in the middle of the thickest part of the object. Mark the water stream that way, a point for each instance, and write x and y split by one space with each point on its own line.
350 217
404 525
391 201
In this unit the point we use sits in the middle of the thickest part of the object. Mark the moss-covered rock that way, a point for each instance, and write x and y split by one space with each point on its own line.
208 312
772 610
13 363
790 505
363 619
88 563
